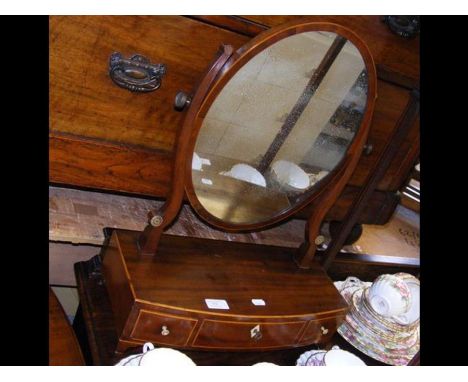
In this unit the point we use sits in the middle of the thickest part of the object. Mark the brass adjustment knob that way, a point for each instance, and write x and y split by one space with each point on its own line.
319 240
324 330
165 331
156 221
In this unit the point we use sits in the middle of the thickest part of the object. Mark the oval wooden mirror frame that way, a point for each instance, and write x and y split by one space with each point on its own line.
222 69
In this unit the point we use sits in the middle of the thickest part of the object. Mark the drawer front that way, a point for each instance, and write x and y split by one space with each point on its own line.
106 137
85 102
162 329
320 331
247 335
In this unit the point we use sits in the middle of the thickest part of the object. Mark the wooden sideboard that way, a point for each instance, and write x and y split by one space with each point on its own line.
105 137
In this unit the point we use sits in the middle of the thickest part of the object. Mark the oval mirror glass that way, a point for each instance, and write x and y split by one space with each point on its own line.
279 127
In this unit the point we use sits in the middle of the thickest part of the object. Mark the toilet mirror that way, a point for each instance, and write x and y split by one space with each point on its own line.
276 127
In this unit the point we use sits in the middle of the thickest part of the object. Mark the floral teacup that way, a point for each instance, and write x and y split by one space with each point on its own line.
389 296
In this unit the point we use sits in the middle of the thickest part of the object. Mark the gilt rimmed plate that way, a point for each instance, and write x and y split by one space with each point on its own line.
398 351
311 358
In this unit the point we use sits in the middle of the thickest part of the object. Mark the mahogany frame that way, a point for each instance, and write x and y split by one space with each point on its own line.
224 67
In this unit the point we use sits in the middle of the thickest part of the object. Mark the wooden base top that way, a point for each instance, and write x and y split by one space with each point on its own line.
186 271
96 318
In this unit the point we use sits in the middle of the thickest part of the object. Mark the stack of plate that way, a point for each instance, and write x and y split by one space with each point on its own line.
391 340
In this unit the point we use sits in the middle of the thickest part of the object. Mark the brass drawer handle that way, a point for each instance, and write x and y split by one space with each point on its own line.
324 330
165 331
404 26
136 74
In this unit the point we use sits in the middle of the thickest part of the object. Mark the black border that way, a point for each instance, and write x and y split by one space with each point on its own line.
25 184
25 87
443 153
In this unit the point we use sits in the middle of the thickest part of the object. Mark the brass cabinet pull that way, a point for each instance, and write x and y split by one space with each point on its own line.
404 26
136 74
324 330
165 331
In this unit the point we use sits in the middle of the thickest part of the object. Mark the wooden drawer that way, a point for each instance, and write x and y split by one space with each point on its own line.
106 137
86 103
319 331
149 327
237 335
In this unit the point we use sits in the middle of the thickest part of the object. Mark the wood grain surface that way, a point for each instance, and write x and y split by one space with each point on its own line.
396 53
83 99
96 319
188 270
106 137
170 290
64 349
79 217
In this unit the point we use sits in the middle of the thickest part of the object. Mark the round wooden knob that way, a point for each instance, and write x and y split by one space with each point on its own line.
182 100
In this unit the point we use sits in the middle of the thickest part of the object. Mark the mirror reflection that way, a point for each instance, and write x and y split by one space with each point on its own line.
280 125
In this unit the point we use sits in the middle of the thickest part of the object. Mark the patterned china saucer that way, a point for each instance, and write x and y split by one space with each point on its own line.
349 286
387 338
387 357
379 337
311 358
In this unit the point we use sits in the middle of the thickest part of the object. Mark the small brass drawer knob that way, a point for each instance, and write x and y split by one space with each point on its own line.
165 331
324 330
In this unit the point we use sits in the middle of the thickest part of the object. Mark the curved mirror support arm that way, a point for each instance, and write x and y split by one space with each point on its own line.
160 219
306 252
